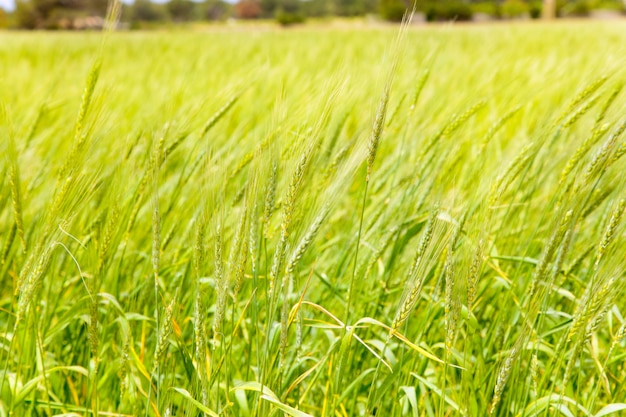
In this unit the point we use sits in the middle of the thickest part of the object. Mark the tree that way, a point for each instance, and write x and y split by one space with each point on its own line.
26 15
447 10
356 7
4 19
318 8
215 9
181 10
146 11
268 7
56 14
549 9
97 7
392 10
248 9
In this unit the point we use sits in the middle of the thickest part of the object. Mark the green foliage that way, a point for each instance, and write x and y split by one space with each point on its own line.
314 222
486 7
617 5
4 19
577 8
71 14
57 14
215 10
534 9
25 14
448 10
147 11
285 18
514 8
181 10
392 10
354 7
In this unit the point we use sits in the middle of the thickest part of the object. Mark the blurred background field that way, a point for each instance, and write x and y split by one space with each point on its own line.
172 14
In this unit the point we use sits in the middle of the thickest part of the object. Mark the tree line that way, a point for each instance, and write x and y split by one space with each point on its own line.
88 14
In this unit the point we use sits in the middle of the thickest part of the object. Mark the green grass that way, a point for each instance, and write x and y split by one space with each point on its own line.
314 222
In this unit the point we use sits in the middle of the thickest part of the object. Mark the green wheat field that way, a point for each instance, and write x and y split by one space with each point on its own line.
314 222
